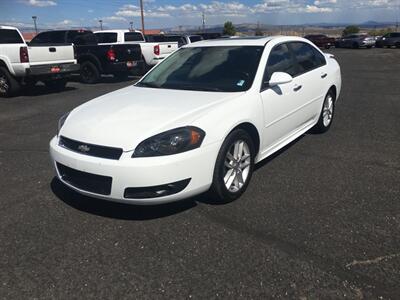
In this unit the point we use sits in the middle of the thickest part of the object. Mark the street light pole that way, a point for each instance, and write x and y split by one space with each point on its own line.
142 15
34 22
131 23
101 24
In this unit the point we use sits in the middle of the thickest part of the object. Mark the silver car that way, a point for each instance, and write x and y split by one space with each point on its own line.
355 41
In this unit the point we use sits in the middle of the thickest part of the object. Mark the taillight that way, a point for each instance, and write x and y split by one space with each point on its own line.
111 55
23 54
157 49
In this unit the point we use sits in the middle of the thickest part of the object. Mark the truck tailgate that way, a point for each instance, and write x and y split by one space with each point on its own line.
48 54
127 52
167 47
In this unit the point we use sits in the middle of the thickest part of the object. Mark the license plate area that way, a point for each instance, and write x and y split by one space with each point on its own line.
131 64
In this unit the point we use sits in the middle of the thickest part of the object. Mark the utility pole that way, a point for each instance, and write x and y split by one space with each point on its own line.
203 21
142 15
34 22
101 24
131 23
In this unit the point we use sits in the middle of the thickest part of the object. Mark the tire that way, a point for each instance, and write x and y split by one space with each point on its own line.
241 166
56 84
397 45
89 73
369 47
327 113
9 86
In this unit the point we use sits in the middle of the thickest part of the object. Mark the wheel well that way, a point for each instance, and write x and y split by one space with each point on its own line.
2 63
93 60
334 91
253 132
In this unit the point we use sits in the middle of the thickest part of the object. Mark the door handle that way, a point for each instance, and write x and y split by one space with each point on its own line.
324 75
297 88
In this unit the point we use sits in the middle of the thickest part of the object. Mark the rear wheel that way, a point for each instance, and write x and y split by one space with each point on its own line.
326 115
89 73
234 167
9 86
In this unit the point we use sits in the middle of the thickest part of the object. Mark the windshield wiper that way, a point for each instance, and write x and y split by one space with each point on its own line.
196 88
148 84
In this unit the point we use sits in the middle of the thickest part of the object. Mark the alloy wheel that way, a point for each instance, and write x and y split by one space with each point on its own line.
4 86
237 166
327 112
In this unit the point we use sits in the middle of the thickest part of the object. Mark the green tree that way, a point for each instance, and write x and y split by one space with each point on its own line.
351 30
229 29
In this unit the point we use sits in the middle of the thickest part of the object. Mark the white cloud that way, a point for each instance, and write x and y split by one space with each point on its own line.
40 3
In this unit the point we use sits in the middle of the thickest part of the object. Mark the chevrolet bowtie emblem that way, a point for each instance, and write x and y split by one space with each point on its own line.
84 148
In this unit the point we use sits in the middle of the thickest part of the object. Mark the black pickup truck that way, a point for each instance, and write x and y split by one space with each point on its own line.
95 59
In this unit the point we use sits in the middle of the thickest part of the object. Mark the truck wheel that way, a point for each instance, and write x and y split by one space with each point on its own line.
89 73
9 86
56 84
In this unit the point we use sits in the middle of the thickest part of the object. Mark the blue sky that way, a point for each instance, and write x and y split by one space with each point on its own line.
169 13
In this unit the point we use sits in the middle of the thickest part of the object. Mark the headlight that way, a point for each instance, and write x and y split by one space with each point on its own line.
61 122
171 142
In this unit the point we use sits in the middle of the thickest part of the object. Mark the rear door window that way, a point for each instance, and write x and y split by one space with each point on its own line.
49 37
10 36
307 57
106 37
133 36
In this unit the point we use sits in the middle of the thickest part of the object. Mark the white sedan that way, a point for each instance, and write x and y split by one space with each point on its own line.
199 121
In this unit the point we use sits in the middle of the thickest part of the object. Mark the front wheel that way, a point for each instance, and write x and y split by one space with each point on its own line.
326 115
234 167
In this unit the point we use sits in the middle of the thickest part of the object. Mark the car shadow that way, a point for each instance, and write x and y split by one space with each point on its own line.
116 210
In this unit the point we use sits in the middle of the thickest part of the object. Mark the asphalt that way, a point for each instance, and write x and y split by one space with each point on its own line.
320 219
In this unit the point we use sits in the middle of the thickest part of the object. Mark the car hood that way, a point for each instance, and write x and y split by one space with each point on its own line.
126 117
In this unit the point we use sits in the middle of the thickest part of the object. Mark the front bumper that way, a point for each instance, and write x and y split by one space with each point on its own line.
128 172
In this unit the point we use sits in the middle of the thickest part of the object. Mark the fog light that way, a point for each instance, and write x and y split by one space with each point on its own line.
156 191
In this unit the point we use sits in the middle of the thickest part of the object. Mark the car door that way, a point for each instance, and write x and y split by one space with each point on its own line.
280 102
312 79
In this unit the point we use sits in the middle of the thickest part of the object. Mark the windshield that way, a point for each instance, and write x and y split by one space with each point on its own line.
221 69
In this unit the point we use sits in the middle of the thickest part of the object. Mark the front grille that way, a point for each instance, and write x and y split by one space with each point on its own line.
85 181
90 149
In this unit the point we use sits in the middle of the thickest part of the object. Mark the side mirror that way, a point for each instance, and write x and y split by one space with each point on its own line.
278 78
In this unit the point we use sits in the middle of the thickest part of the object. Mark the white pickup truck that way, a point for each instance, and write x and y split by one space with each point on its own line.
152 53
22 64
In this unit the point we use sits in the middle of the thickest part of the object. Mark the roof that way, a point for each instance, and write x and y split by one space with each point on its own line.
7 27
244 41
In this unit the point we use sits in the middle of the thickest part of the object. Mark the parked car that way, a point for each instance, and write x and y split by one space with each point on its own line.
152 51
321 40
182 40
355 41
389 40
95 59
200 120
22 64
